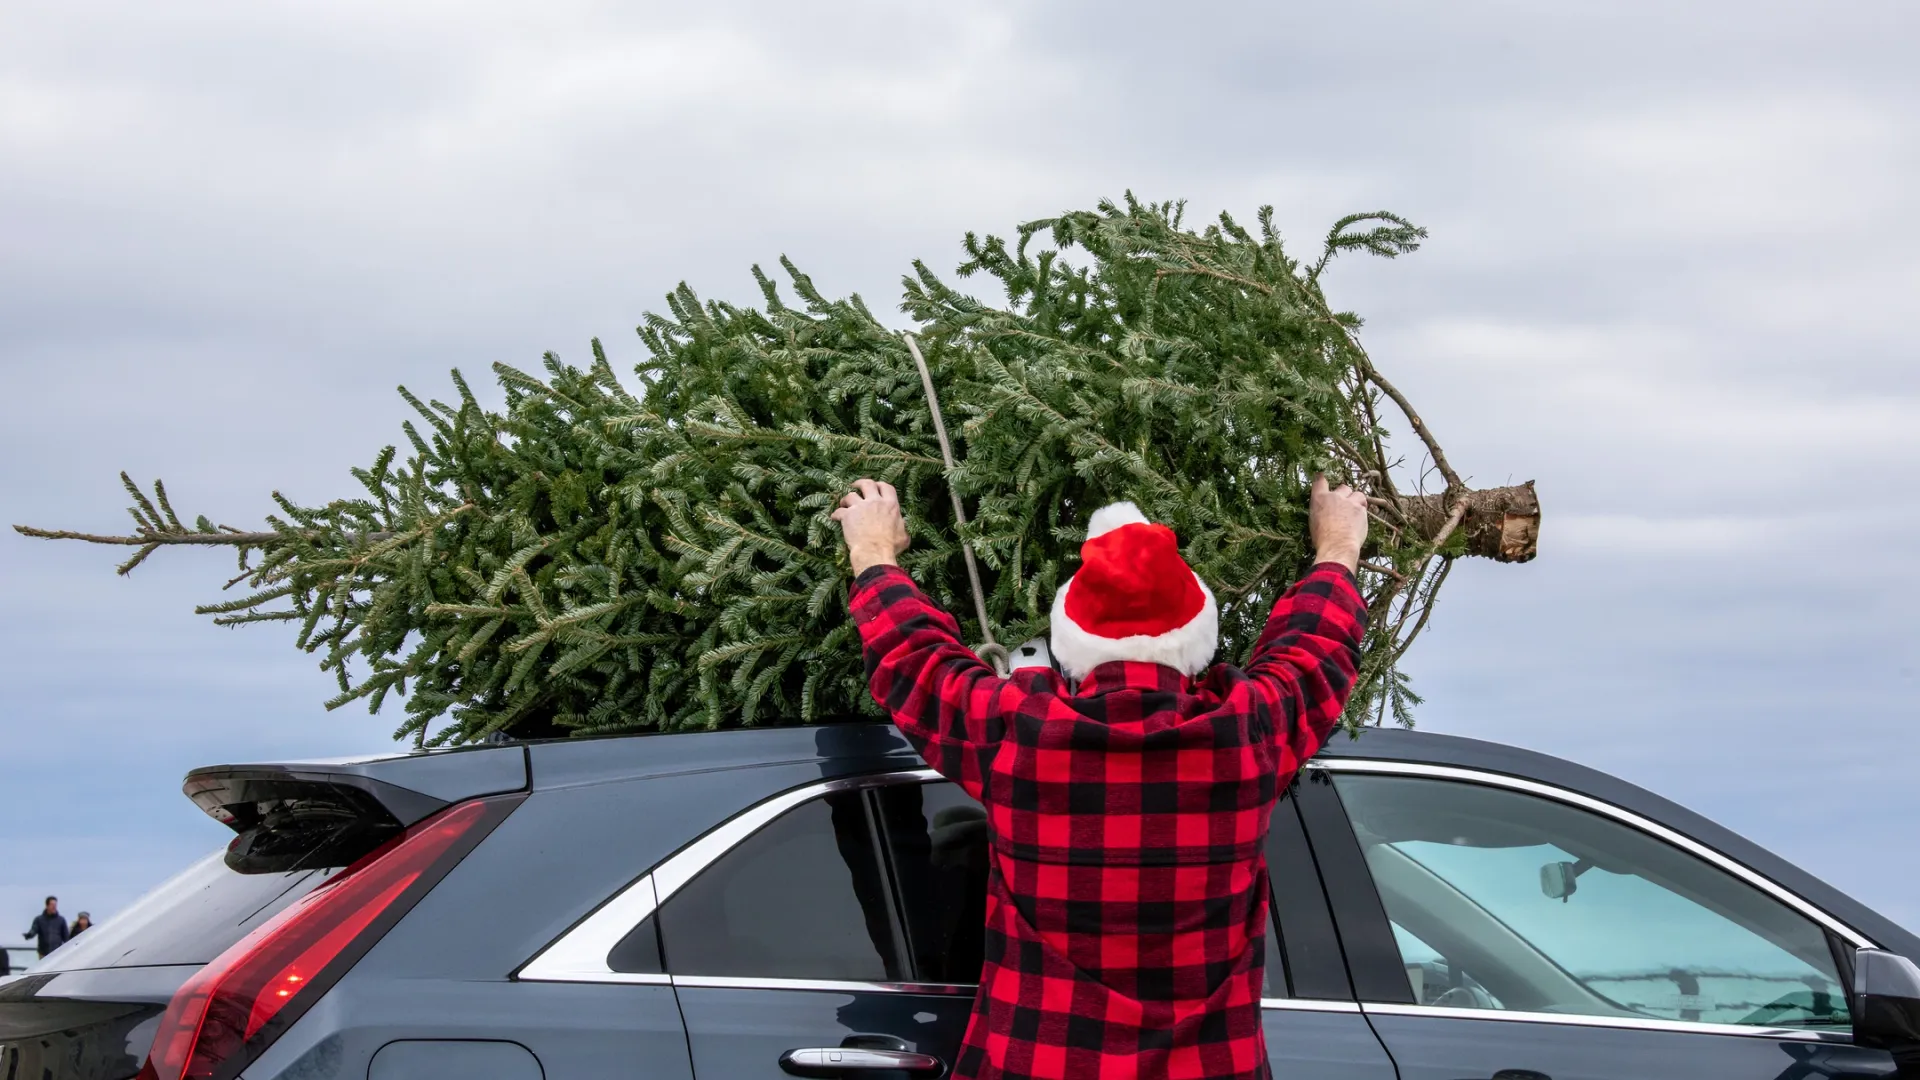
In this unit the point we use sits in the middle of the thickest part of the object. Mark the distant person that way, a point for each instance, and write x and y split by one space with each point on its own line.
82 921
49 926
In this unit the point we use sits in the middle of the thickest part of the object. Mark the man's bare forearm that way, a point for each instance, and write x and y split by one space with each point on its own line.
1337 517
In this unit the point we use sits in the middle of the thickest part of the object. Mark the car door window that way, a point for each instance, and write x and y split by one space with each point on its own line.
936 836
803 898
1505 900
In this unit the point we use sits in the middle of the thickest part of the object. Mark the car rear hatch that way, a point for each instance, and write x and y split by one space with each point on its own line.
90 1010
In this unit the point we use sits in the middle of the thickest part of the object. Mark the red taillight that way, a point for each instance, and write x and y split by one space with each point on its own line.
234 1007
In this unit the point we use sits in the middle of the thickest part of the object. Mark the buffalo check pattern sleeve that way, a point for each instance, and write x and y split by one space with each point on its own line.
1302 667
947 701
1127 890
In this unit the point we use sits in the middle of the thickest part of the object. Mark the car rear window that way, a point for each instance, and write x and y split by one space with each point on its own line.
190 919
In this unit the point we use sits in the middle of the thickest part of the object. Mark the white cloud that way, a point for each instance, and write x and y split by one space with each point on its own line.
1671 537
1797 162
1659 410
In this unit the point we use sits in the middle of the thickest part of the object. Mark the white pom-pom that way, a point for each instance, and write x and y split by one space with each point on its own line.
1108 518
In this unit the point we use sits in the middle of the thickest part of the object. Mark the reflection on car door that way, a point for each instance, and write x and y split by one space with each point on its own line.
1496 929
792 940
790 944
1313 1026
936 839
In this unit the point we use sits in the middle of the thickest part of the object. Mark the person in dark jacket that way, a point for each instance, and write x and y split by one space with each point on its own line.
49 926
82 921
1127 795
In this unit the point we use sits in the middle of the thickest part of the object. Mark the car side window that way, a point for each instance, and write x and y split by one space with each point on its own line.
1505 900
937 838
803 898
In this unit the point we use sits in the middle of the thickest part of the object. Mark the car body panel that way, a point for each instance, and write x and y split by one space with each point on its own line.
430 1059
585 1032
551 863
742 1032
1307 1043
441 986
1447 1048
835 750
71 1036
410 786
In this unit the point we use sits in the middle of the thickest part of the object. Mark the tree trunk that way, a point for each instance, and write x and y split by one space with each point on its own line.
1501 523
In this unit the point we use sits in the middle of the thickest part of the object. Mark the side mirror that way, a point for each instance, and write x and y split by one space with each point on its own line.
1887 987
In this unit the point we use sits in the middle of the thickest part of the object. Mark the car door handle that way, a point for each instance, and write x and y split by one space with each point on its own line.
1520 1074
834 1060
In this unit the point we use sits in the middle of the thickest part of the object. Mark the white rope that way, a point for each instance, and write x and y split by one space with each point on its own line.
993 652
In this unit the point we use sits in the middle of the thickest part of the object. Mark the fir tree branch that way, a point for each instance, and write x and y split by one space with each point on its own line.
1454 483
1197 270
156 538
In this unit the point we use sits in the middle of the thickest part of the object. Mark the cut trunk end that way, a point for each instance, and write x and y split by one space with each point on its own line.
1501 523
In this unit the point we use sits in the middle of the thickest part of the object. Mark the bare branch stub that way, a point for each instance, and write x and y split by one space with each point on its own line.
185 537
1454 483
1501 523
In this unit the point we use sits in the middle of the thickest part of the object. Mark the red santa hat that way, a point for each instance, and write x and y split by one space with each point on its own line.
1134 598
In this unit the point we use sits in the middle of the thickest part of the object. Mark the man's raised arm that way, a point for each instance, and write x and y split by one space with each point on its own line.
943 698
1306 661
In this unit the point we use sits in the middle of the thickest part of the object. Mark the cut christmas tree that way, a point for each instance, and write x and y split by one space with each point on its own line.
603 556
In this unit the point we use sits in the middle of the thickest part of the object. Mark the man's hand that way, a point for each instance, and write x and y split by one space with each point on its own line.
1338 520
871 522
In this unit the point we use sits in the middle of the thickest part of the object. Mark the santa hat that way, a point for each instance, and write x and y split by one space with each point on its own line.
1134 598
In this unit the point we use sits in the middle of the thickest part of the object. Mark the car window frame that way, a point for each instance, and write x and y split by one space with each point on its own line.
858 803
581 954
889 858
1374 956
1302 939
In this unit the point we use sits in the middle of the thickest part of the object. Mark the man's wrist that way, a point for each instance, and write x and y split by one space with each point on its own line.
866 557
1345 557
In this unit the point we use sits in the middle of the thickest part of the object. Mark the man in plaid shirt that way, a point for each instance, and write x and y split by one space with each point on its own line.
1127 899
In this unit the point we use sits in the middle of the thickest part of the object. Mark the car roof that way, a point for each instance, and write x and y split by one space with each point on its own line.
846 748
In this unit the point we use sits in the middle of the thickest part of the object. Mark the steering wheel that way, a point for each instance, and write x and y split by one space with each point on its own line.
1465 997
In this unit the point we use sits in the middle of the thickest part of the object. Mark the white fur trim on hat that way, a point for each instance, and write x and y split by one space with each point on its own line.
1108 518
1188 649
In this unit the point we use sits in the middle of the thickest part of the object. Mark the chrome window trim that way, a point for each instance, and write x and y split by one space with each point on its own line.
1621 814
1688 1027
1309 1005
580 954
734 982
681 867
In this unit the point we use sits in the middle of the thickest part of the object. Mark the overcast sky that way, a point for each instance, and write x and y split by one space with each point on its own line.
1674 256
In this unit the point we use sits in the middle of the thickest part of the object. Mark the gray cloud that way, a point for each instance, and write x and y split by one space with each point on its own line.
1673 249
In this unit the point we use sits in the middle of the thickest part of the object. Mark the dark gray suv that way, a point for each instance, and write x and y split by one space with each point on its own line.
809 902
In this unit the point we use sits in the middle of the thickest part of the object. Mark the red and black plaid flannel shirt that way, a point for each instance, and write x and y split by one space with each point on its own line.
1126 903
